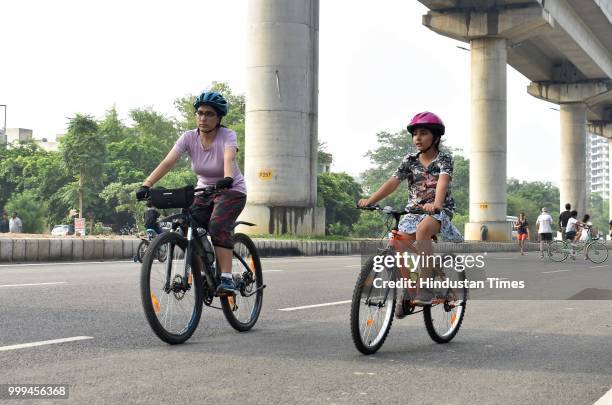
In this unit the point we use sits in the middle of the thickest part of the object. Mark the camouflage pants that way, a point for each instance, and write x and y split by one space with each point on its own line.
218 214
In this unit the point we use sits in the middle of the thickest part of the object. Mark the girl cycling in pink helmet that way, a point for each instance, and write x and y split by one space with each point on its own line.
428 173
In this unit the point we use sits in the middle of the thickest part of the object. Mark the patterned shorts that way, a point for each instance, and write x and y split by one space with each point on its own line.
218 215
448 231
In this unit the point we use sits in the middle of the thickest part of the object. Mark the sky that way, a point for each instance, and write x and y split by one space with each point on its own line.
378 66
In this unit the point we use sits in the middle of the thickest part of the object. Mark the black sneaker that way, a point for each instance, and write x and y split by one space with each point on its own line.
227 286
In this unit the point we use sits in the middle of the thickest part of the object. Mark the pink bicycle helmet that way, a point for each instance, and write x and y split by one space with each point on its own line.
427 120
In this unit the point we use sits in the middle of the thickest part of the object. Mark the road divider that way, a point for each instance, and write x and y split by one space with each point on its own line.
82 249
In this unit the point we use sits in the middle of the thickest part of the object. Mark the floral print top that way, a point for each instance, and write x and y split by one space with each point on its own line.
422 181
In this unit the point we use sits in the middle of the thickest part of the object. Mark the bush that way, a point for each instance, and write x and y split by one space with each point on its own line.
31 211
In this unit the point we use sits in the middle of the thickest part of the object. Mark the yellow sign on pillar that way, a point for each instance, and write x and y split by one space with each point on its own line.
265 174
484 206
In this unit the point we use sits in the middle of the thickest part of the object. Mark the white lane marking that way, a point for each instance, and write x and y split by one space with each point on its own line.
44 342
65 263
315 306
32 284
302 258
606 399
597 267
554 271
271 271
353 265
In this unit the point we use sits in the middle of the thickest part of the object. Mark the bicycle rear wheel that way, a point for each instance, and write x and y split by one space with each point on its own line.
242 309
597 252
444 317
172 305
557 251
372 308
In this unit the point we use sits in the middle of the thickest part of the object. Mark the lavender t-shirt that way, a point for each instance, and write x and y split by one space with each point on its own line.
208 163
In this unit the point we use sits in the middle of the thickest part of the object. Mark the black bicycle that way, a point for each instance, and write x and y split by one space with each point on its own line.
144 245
173 292
375 295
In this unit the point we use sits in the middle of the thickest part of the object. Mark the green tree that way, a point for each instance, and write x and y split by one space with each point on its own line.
121 197
460 186
598 210
30 209
111 127
386 158
148 122
12 163
371 224
84 153
338 192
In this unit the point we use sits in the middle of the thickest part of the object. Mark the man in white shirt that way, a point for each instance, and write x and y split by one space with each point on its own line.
15 224
544 226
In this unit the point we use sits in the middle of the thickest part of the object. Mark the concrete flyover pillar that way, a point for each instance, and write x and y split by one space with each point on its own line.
572 173
489 28
281 118
488 140
573 120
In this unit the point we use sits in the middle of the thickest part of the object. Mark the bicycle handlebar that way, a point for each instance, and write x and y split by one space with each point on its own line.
389 210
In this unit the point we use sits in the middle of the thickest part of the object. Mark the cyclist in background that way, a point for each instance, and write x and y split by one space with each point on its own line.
212 149
565 215
428 173
570 229
150 218
585 229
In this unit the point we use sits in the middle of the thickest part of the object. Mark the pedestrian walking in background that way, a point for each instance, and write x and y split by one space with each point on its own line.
544 227
4 223
522 226
15 224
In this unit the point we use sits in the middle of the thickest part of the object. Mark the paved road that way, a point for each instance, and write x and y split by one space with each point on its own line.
510 351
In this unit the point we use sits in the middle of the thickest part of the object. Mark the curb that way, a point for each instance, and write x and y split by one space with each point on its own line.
43 250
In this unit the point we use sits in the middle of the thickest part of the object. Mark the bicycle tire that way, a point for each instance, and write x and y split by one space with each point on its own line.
151 304
444 308
363 343
141 250
232 305
557 251
597 252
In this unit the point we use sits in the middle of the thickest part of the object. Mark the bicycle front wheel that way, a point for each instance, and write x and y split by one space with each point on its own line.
372 307
444 317
242 309
141 250
558 251
597 252
171 291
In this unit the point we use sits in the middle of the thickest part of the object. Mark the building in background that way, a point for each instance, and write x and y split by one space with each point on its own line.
18 134
598 161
